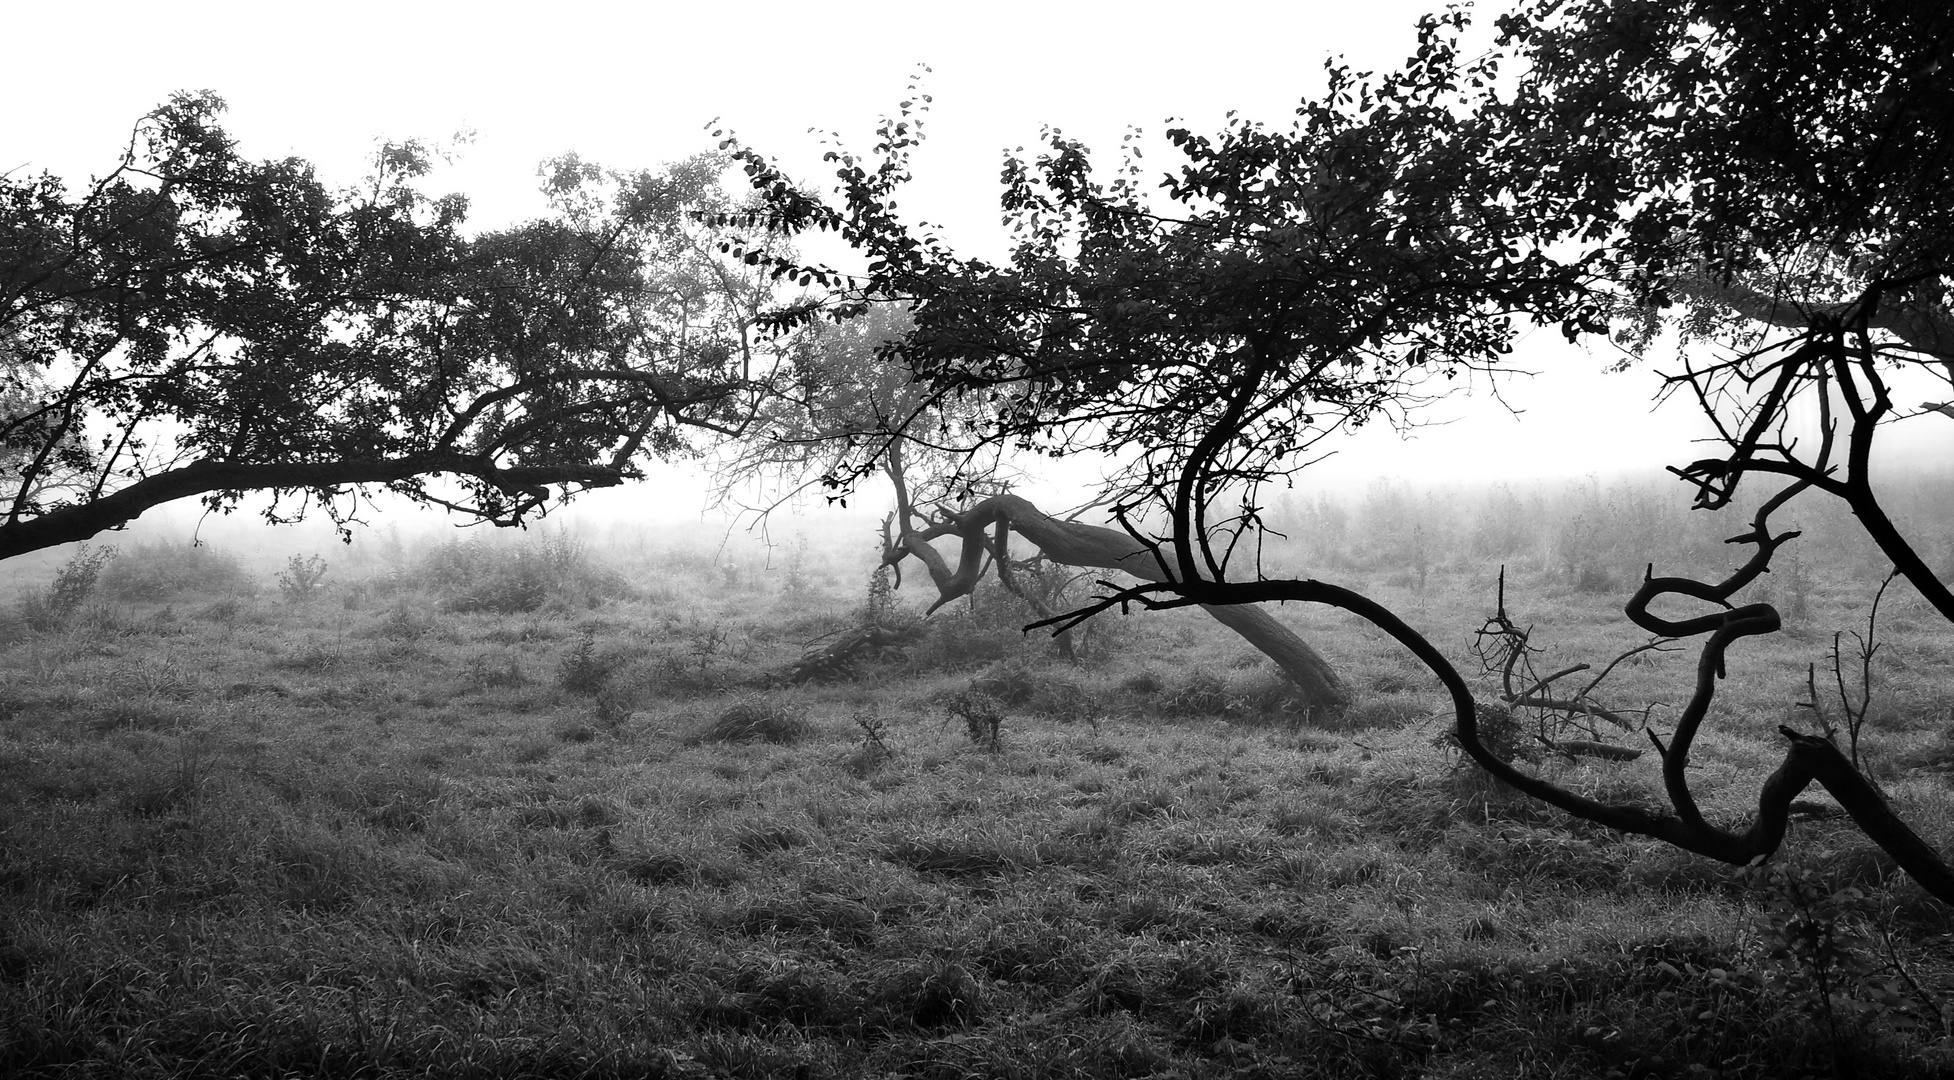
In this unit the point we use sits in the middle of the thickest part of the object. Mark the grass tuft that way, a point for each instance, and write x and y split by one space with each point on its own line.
755 719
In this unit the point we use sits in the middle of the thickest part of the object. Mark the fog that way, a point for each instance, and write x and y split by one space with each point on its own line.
639 86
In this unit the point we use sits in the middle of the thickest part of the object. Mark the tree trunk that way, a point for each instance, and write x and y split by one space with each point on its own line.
1323 690
1077 544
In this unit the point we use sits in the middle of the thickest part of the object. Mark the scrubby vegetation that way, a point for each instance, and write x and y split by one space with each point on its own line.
549 805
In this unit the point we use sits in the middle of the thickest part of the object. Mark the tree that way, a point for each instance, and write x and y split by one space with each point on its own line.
1738 171
1316 278
847 404
1295 283
197 324
1775 180
1747 170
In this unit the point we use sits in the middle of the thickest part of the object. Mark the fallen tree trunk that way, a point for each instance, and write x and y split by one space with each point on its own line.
838 658
984 529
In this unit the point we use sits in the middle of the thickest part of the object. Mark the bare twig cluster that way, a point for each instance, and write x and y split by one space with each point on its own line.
1505 650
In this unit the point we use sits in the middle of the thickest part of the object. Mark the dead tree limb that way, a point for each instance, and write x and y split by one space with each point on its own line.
1504 648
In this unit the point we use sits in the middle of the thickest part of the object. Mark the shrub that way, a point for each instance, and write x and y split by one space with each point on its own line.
1500 732
797 584
680 675
585 669
614 706
990 629
1012 682
982 716
874 749
302 578
403 623
71 587
480 577
158 571
76 580
879 608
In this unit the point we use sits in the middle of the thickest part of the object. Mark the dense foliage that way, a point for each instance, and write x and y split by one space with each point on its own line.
1283 285
1771 164
196 323
1798 149
1777 175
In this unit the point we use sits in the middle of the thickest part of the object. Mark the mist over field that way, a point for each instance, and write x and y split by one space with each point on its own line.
947 542
490 800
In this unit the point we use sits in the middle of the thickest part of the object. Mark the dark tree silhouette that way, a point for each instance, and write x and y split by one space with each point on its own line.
842 401
1791 182
1302 281
198 324
1289 285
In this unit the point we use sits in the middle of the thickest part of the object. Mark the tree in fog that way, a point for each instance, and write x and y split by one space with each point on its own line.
1777 183
1292 283
1288 285
845 400
194 323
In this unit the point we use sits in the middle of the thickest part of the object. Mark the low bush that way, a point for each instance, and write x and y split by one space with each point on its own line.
982 716
585 668
403 623
73 584
478 576
989 629
1012 682
302 579
150 572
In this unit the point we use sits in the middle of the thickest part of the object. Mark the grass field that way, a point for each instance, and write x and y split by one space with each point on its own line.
539 809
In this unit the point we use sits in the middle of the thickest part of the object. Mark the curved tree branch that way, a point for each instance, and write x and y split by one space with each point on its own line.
1808 758
1074 543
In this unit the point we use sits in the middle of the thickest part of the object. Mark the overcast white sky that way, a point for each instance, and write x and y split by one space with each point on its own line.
633 85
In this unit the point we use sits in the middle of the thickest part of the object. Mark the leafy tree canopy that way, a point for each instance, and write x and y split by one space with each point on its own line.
1767 165
1775 180
1796 146
1281 285
196 323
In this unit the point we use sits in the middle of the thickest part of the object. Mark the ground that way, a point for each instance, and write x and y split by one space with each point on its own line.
546 808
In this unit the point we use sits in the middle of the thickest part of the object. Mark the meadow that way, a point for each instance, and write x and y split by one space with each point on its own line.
549 804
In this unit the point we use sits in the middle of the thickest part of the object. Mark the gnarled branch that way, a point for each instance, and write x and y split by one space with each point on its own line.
1073 543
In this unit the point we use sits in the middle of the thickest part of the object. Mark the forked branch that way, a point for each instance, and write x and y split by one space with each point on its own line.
1504 648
